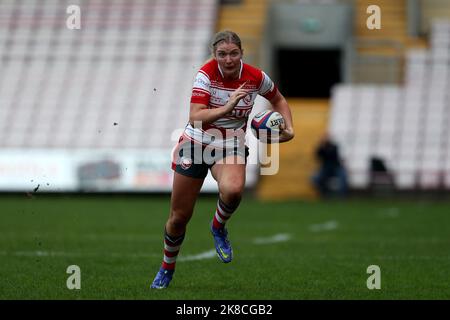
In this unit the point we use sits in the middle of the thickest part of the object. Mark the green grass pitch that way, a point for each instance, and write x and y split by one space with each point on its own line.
282 250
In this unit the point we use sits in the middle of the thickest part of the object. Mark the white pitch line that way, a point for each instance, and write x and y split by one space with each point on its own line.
326 226
201 256
40 253
281 237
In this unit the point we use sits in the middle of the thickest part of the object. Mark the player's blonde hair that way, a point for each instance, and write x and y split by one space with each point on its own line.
226 35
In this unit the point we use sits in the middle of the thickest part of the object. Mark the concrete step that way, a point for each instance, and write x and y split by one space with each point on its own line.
297 162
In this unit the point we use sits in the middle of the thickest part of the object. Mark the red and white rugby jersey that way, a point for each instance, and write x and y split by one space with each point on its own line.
211 89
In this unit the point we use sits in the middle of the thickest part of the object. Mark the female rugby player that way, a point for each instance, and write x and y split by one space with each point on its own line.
223 95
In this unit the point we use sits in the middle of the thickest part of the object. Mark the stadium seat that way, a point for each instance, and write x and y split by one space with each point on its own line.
405 179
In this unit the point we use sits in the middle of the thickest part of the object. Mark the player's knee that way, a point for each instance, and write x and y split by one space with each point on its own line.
178 219
232 192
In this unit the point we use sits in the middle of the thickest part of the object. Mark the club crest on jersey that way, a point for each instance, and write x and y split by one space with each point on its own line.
247 99
185 163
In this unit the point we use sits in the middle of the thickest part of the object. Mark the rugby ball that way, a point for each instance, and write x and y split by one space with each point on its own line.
266 124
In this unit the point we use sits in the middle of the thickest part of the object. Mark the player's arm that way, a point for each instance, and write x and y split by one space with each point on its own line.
280 105
201 113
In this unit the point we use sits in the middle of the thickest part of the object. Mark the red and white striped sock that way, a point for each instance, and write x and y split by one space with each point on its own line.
223 213
171 249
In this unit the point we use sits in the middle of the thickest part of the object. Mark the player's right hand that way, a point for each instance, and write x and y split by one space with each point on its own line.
237 95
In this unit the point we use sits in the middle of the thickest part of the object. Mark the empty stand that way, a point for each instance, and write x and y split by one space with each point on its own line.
407 126
122 81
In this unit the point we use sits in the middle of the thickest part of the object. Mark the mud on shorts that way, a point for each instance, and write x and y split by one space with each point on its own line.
193 159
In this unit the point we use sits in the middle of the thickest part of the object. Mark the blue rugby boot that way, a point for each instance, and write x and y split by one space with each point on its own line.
162 279
222 244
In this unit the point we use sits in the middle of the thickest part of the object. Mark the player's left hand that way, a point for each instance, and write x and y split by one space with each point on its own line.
286 134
